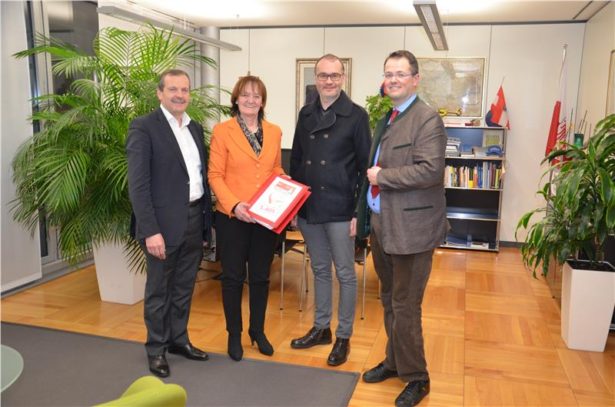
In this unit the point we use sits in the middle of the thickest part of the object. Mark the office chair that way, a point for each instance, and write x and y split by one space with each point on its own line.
362 249
286 244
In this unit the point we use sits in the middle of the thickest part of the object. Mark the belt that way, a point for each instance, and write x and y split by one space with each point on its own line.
195 202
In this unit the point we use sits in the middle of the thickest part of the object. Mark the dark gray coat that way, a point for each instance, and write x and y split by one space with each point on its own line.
158 182
331 158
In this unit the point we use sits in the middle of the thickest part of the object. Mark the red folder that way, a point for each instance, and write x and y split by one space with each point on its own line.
277 202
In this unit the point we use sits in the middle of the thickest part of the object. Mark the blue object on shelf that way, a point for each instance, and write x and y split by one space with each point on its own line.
494 150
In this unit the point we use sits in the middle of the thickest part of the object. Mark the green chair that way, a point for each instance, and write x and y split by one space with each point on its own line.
149 391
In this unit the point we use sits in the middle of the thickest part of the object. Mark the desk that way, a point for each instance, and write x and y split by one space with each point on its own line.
12 365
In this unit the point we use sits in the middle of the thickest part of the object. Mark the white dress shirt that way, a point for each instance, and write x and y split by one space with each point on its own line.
189 151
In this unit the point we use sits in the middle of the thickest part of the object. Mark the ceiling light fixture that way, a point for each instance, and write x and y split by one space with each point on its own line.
430 19
129 16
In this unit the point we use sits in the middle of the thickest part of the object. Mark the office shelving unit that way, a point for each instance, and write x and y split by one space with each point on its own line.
474 184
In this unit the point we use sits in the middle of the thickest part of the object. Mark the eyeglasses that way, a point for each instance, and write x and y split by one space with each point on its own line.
322 77
397 75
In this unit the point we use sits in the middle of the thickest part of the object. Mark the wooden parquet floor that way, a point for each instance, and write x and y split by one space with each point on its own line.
491 331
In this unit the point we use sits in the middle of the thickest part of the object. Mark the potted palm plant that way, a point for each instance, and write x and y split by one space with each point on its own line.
74 169
578 218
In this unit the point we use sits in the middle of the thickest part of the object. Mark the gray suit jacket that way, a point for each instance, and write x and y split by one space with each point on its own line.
412 201
158 181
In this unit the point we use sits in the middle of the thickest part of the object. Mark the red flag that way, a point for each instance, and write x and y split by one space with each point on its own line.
498 115
557 131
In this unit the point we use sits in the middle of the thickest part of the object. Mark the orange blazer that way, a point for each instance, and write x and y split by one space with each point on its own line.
235 172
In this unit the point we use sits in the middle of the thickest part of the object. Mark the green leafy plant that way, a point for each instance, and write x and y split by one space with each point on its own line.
74 170
580 203
377 106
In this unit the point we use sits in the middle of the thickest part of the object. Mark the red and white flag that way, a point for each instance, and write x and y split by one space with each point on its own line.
558 129
498 115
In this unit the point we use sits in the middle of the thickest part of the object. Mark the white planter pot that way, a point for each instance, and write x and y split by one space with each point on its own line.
115 282
588 298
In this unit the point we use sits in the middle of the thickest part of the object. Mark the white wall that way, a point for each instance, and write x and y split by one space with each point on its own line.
599 42
109 21
528 56
20 257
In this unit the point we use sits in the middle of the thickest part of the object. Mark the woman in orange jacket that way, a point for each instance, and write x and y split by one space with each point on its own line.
244 152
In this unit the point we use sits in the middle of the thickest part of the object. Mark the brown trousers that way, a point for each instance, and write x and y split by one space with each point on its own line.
403 279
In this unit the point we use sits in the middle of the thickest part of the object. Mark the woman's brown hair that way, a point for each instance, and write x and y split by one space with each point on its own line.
241 84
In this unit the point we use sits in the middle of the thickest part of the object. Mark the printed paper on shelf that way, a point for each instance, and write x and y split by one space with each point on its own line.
277 202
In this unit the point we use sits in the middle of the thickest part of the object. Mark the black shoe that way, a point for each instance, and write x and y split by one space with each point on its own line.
339 353
264 346
313 337
378 374
158 365
188 351
235 350
413 393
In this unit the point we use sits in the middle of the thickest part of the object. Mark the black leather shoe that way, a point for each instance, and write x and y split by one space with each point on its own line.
235 350
339 353
158 365
313 337
264 346
413 393
188 351
378 374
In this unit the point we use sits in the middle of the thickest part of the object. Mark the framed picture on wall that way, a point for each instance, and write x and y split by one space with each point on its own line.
610 89
306 81
454 86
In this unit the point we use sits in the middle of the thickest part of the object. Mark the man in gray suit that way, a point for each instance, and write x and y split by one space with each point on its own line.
171 202
404 194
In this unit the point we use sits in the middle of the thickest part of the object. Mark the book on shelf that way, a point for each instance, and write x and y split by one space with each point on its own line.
479 152
452 151
455 241
453 141
483 175
453 145
479 245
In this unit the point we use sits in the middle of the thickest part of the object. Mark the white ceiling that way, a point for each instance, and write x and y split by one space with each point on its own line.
258 13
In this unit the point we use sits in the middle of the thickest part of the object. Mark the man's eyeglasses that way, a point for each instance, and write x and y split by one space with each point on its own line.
322 77
397 75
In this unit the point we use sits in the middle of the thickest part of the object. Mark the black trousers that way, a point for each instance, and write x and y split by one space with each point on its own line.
246 249
169 287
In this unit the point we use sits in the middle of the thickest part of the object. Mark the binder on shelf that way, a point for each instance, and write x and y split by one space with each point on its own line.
276 203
